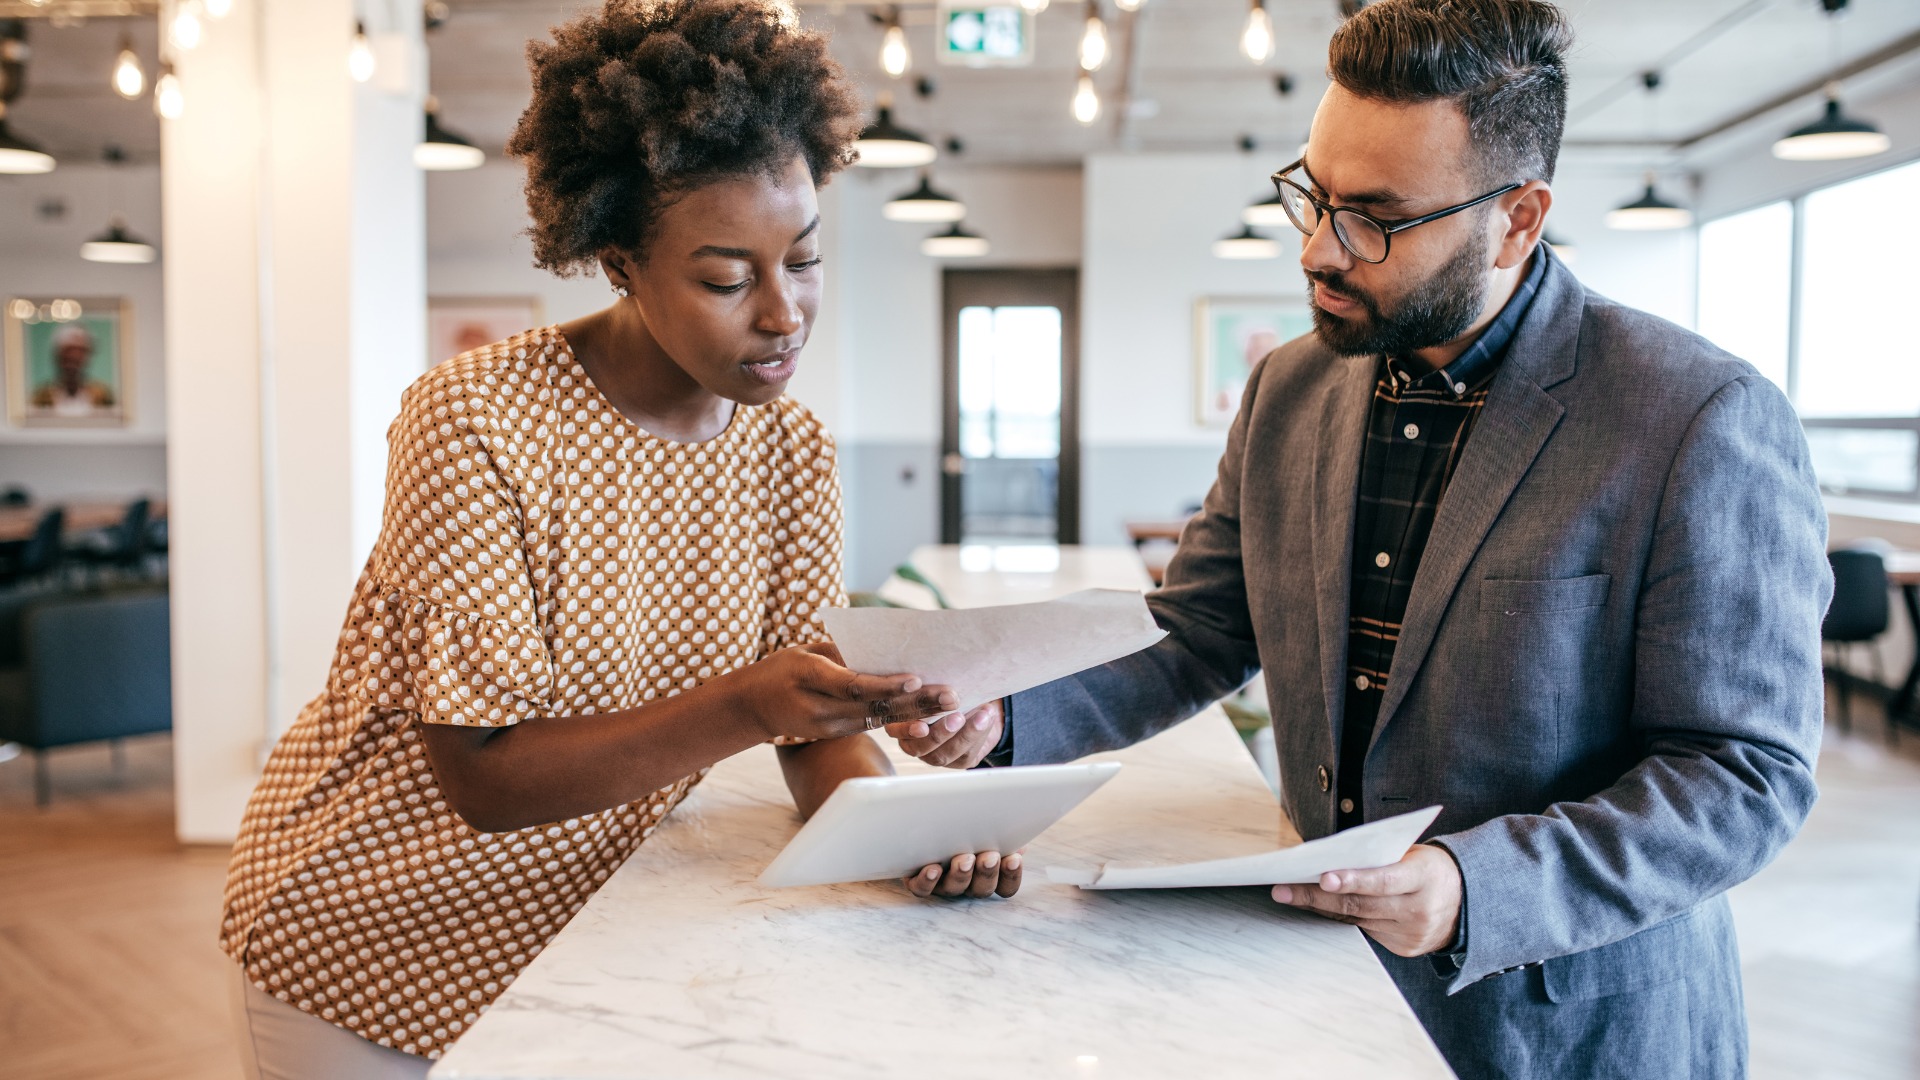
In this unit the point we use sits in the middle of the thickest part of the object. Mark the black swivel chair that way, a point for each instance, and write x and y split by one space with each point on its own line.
39 556
120 547
1859 614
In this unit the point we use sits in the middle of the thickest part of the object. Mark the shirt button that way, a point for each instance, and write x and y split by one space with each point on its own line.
1362 682
1346 806
1459 388
1326 779
1411 431
1381 560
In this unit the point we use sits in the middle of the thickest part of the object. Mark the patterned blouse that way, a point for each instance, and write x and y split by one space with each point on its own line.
541 556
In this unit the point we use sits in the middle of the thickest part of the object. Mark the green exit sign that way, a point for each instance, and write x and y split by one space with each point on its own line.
985 35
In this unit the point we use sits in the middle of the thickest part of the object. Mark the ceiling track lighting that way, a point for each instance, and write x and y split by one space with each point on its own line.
129 78
1246 244
1093 39
886 145
1835 135
442 150
360 61
168 100
1086 101
895 57
955 243
1256 41
1649 213
924 205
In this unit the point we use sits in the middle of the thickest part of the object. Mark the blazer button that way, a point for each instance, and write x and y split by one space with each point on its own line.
1326 779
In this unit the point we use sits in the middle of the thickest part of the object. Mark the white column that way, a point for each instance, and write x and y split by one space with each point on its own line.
286 177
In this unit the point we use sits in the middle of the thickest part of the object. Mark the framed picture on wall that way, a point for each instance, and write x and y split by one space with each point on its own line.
68 361
1230 335
456 324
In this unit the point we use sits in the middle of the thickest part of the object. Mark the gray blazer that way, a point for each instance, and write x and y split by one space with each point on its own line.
1608 673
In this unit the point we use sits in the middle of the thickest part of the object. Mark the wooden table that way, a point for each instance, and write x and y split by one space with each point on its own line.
683 966
1155 540
18 522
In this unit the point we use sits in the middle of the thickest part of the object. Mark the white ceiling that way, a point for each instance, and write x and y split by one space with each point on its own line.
1193 88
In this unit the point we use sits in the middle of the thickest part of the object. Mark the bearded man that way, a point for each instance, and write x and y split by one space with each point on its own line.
1502 545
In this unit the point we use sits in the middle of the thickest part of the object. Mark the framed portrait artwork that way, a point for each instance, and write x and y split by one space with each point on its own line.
456 324
1230 335
68 361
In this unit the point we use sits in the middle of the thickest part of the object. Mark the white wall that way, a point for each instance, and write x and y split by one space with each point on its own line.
1652 271
41 258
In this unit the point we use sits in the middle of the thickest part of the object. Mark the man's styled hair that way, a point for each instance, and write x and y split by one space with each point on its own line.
1503 62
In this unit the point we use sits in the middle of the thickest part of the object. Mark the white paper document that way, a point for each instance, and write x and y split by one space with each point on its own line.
1364 847
989 652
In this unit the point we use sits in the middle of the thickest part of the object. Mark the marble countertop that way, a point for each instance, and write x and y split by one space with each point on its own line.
683 966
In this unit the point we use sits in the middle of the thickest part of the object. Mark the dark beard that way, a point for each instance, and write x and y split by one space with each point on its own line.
1437 311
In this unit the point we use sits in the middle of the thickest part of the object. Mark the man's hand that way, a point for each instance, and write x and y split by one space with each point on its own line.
1410 908
955 741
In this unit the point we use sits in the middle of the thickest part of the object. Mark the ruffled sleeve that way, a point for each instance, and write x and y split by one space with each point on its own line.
444 623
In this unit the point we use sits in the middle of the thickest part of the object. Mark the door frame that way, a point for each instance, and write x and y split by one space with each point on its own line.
960 288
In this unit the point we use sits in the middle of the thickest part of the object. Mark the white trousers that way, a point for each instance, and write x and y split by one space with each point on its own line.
279 1042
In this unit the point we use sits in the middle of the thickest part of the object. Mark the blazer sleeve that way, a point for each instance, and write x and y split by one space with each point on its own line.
1727 707
1208 652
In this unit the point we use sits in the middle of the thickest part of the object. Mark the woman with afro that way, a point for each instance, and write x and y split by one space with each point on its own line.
605 549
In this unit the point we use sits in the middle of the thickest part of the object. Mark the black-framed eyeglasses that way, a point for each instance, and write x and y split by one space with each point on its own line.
1365 237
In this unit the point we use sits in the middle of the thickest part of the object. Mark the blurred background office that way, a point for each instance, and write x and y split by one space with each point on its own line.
1046 284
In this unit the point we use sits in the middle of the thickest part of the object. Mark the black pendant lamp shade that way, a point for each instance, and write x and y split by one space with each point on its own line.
924 204
18 155
1832 137
886 145
442 150
117 245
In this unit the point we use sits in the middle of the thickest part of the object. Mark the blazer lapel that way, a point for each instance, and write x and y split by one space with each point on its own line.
1336 480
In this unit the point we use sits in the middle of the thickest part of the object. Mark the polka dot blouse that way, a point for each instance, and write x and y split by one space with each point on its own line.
541 556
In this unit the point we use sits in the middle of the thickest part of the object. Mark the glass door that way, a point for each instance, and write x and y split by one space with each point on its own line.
1010 460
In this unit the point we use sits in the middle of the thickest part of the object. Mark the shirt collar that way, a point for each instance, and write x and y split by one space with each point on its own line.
1473 368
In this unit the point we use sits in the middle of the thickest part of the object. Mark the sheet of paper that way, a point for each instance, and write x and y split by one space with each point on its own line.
1364 847
990 652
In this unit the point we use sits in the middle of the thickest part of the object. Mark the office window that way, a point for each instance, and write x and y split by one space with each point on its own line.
1746 286
1857 350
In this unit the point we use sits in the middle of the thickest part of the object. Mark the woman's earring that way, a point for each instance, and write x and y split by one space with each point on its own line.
620 290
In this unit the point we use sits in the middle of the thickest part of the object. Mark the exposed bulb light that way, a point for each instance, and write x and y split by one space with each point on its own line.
20 156
1086 102
1832 137
168 100
894 56
360 61
1649 213
129 78
1093 41
117 245
1256 41
886 145
219 9
185 29
1266 213
1129 5
924 204
955 243
442 150
1246 244
1034 7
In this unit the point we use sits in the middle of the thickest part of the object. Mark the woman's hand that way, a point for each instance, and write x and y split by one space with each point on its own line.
807 692
954 742
978 876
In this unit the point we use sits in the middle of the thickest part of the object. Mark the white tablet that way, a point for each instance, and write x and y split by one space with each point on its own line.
876 827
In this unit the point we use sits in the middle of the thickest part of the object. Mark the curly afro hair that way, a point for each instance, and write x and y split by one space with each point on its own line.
650 98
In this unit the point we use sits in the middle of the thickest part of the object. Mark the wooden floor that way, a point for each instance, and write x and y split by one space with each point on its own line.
108 969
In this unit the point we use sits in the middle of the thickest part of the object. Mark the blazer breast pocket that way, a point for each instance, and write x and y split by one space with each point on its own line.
1542 597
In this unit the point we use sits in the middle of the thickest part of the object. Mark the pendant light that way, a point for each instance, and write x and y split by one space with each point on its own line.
886 145
1086 101
1246 244
1129 5
1835 135
1267 213
1649 212
185 29
955 243
219 9
924 204
1256 41
19 155
129 78
169 102
1093 39
895 58
360 61
116 245
442 150
1034 7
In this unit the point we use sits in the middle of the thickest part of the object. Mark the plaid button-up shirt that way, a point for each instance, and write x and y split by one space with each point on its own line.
1417 429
